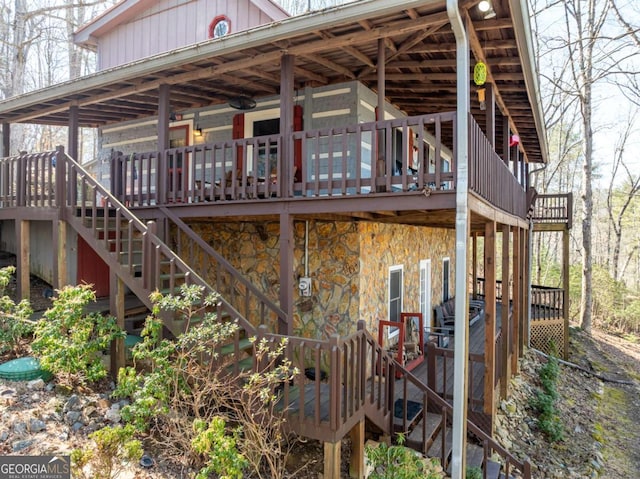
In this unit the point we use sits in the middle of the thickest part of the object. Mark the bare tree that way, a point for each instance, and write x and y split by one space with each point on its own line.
619 198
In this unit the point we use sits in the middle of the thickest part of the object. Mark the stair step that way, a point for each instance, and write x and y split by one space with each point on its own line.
475 457
243 345
436 448
492 470
432 423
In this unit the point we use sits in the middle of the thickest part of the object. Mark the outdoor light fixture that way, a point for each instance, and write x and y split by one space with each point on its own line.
486 9
197 131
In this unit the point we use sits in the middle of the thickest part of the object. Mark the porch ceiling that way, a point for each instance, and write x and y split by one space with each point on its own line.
330 46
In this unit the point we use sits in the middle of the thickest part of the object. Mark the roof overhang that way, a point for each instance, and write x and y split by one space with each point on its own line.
330 46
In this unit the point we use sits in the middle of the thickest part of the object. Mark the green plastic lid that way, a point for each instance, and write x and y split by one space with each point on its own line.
131 340
23 369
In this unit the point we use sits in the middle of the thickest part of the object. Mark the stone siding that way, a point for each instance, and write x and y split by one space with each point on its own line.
348 266
383 246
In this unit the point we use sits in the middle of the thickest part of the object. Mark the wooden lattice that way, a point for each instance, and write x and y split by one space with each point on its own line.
546 332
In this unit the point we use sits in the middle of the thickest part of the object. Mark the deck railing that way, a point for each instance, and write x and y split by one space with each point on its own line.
553 208
490 177
143 260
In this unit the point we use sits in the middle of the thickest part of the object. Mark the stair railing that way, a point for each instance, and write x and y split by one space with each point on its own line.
217 271
85 200
358 376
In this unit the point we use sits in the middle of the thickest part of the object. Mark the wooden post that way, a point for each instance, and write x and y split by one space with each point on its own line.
60 247
527 284
505 322
474 265
517 300
506 149
164 110
23 241
490 113
565 287
524 287
287 92
286 271
6 140
332 460
356 465
490 319
72 135
380 164
116 309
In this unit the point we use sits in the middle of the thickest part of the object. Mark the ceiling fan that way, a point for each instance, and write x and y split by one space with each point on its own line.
242 103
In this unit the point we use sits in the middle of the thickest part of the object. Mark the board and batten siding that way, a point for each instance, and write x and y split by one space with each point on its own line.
172 24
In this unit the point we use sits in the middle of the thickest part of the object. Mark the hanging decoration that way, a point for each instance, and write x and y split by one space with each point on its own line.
479 78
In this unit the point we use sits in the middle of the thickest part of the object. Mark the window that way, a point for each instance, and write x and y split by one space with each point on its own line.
395 295
425 291
219 27
445 279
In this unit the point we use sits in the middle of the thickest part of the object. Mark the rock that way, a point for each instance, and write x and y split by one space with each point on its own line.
72 404
72 416
21 445
19 428
112 415
36 425
89 411
36 384
103 403
63 436
578 429
4 435
77 426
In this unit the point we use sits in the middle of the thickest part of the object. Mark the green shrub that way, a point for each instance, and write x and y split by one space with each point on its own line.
474 472
190 403
544 401
399 462
112 449
219 448
14 318
69 341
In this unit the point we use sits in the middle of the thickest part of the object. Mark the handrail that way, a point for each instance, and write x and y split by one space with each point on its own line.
251 299
159 262
357 375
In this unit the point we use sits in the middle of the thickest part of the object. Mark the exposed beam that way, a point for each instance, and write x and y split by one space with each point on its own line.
331 65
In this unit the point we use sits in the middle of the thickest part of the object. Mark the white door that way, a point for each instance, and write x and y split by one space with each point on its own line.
425 291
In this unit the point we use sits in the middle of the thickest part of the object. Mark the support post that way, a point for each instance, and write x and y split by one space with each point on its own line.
505 322
23 241
381 163
506 149
287 92
72 136
474 265
116 309
517 301
356 465
6 140
565 287
332 452
490 319
60 246
164 110
490 113
524 288
286 272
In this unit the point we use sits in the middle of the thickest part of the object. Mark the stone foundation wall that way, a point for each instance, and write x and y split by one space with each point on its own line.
383 246
348 266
